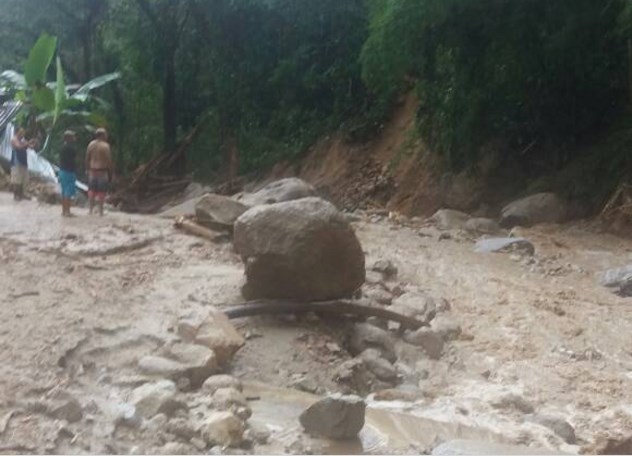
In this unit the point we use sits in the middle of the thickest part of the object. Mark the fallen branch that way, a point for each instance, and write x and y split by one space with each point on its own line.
254 308
191 227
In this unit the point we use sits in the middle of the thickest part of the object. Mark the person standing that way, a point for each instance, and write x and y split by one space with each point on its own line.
19 164
100 168
68 172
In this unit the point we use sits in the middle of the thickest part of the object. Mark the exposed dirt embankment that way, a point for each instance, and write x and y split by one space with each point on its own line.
395 170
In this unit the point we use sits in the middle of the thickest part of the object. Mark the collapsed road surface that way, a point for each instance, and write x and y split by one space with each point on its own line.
526 350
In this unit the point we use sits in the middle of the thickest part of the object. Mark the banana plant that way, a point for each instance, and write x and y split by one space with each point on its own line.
44 103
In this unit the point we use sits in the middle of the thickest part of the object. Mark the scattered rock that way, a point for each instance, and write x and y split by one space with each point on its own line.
279 191
475 447
335 417
69 410
353 376
513 401
364 336
217 382
306 384
128 416
391 395
610 445
619 280
198 443
218 212
447 327
304 250
259 433
379 366
153 398
160 367
181 428
482 226
428 339
222 428
156 423
448 219
218 333
386 268
494 245
379 295
228 398
534 209
198 362
416 304
174 448
558 425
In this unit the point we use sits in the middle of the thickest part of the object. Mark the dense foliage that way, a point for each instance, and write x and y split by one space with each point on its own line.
268 77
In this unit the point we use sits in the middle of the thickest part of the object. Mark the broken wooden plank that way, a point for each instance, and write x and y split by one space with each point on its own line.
339 307
191 227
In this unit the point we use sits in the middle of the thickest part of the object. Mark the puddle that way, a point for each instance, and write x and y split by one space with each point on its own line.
385 430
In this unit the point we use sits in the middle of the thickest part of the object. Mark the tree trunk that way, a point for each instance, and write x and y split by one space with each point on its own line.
170 120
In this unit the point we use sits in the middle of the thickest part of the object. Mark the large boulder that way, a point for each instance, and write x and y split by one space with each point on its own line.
218 212
287 189
304 250
534 209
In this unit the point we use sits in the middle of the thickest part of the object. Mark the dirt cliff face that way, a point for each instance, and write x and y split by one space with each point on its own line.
395 170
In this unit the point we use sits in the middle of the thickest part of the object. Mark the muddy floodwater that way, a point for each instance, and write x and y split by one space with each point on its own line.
83 299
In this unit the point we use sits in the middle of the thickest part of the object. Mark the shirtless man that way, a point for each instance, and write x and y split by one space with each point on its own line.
100 167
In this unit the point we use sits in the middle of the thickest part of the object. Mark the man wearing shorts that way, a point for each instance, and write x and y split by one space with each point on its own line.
100 167
67 172
19 164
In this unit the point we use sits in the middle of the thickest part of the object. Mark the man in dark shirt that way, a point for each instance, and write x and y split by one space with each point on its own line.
67 171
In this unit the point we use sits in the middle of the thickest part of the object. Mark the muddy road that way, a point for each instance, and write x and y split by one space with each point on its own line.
84 298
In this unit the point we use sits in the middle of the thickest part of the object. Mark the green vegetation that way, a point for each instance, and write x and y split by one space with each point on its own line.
269 77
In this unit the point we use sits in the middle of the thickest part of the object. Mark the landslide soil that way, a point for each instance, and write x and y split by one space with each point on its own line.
84 298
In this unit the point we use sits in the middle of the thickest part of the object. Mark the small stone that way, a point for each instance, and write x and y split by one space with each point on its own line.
216 382
174 448
243 413
181 428
447 327
260 433
156 423
365 336
333 347
558 425
335 417
159 366
429 340
379 366
305 384
493 245
226 398
70 410
386 268
379 295
198 443
128 416
222 428
513 401
153 398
